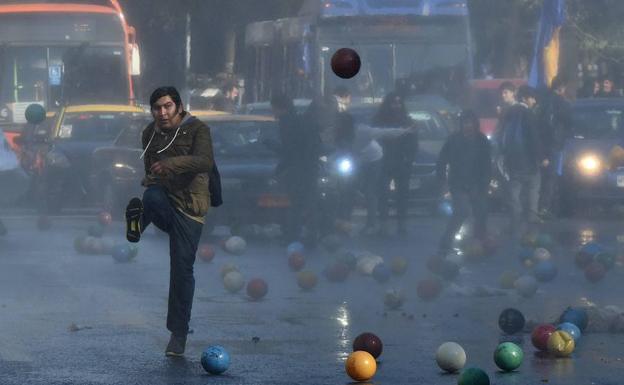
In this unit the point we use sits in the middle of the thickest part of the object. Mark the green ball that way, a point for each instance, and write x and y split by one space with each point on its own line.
473 376
35 114
508 356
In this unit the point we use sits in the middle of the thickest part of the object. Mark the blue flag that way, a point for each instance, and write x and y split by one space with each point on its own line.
545 65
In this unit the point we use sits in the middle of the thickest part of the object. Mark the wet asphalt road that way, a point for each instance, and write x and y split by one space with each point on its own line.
304 337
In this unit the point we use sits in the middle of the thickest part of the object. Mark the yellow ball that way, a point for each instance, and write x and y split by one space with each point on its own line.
361 366
561 343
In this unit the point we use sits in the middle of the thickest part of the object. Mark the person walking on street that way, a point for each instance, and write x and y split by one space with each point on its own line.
466 155
178 158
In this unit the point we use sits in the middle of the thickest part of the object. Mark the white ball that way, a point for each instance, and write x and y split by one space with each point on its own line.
236 245
233 281
541 254
394 299
451 357
526 286
366 265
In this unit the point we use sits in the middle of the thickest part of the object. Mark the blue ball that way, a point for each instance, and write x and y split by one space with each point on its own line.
545 271
446 208
381 273
572 329
576 316
525 255
295 247
215 359
592 248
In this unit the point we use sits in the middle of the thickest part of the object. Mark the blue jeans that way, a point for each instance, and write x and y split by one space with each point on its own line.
184 234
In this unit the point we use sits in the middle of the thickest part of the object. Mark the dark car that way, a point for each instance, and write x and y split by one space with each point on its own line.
588 172
247 167
77 132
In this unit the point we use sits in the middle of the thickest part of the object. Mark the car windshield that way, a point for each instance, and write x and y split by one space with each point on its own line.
598 122
243 138
97 126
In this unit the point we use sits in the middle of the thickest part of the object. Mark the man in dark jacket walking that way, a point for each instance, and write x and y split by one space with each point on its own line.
178 157
298 170
522 155
555 119
467 154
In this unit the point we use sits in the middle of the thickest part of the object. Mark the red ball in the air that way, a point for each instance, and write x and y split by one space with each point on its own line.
346 63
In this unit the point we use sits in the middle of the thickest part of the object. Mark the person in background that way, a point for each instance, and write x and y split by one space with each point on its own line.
608 89
399 154
227 99
467 156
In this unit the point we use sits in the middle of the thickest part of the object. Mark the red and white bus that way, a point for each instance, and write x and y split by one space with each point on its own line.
63 52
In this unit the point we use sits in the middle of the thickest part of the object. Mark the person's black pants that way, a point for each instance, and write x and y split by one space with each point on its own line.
303 211
400 173
463 202
548 187
184 234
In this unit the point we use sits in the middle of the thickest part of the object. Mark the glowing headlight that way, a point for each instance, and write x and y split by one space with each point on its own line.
590 164
345 166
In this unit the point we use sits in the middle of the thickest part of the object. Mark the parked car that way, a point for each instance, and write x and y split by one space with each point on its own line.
246 164
76 133
590 169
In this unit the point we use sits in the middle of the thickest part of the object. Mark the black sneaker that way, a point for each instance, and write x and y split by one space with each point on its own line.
134 210
176 346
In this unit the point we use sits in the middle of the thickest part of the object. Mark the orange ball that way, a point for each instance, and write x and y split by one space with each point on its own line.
361 366
560 343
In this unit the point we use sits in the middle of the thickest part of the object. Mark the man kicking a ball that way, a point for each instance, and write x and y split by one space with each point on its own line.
177 152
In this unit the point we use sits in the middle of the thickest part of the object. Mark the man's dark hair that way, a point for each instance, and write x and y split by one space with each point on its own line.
508 86
166 91
527 92
342 91
558 82
282 101
469 116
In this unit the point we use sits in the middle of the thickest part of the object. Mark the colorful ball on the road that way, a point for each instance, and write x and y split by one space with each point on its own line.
473 376
381 273
236 245
507 279
508 356
545 271
451 357
295 247
398 265
511 321
257 288
366 265
394 299
227 268
541 254
105 218
529 239
361 366
296 261
307 280
369 343
526 286
571 329
540 335
606 259
206 252
592 248
595 272
233 281
337 272
215 359
561 343
577 316
346 63
348 258
429 289
121 253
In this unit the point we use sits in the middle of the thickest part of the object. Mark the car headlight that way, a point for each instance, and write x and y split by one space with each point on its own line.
345 166
590 164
